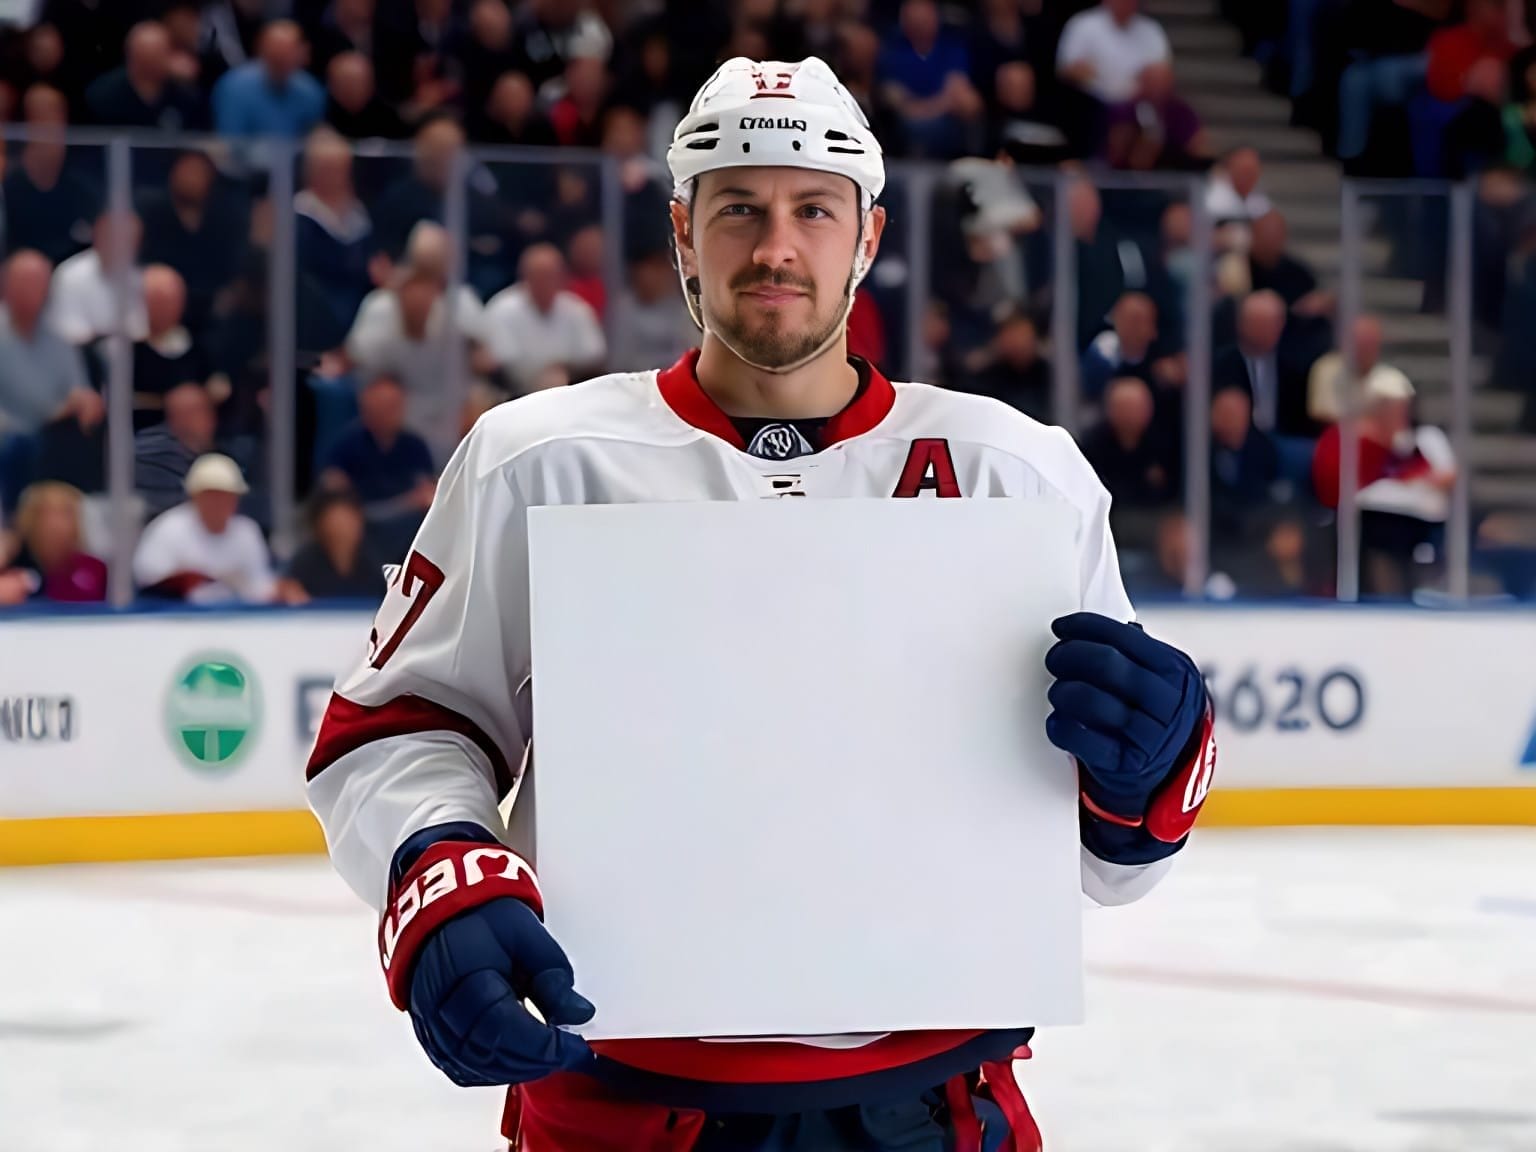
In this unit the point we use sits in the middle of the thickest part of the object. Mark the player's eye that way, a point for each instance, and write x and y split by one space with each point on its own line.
815 212
737 210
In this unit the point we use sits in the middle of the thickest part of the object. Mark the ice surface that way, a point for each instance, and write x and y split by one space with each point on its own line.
1306 991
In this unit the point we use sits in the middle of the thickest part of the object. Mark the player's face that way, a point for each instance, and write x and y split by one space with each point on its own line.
773 249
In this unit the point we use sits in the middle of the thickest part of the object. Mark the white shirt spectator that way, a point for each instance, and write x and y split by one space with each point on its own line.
1117 54
526 341
379 346
1226 204
82 303
235 561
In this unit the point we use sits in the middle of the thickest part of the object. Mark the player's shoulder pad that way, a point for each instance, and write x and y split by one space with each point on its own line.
1046 449
617 406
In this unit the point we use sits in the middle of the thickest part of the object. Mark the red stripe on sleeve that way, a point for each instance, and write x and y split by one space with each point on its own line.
348 726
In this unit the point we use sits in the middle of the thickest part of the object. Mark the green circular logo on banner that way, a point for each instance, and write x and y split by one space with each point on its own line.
212 712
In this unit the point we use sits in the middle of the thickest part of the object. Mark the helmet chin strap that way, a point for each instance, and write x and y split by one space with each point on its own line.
694 301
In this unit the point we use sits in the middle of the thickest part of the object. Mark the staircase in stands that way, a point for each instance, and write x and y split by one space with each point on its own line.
1226 89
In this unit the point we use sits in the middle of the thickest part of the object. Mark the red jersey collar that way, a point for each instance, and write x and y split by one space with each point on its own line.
680 388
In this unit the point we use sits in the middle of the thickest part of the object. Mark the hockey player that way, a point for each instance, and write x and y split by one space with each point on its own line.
775 221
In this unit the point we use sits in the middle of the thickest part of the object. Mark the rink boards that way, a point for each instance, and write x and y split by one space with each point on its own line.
165 736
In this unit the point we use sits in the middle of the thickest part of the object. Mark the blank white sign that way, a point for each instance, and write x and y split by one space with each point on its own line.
791 768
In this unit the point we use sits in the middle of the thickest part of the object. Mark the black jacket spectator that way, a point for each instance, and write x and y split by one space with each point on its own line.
1125 450
1245 466
199 227
48 207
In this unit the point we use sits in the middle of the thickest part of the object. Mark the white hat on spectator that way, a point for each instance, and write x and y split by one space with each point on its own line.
1388 383
215 473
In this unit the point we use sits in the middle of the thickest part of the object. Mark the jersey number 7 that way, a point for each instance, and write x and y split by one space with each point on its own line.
415 584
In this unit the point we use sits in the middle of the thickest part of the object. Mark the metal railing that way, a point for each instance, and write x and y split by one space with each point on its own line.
275 171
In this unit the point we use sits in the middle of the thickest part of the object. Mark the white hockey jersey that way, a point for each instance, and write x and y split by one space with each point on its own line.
432 725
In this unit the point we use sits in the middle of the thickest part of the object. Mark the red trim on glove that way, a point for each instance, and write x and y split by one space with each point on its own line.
1107 816
1176 805
448 878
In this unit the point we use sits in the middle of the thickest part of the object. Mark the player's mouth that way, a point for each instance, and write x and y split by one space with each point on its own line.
774 297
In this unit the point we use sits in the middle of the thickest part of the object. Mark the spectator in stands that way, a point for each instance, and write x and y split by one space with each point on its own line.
50 561
651 325
83 303
164 453
144 93
273 95
1454 53
167 355
352 106
585 281
183 23
1018 125
924 71
577 116
333 233
1326 390
1234 199
539 324
1256 363
438 145
1406 475
197 232
1245 466
417 72
337 562
203 551
47 63
42 377
1156 128
385 465
1105 49
1267 265
551 33
47 207
1011 368
1003 35
484 55
345 29
1126 349
401 331
1109 264
1134 462
510 116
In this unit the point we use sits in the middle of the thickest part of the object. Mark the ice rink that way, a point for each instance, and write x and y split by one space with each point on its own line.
1309 991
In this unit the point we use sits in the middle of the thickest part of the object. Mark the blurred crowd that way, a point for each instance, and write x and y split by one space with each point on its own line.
410 119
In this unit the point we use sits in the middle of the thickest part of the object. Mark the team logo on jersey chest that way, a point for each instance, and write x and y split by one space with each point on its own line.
779 442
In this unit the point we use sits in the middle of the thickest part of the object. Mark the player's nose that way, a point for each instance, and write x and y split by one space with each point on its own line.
775 246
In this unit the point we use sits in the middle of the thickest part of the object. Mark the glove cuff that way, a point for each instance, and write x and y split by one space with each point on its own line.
1170 812
449 877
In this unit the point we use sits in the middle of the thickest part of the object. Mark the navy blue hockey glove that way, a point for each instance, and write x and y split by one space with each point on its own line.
463 945
1135 713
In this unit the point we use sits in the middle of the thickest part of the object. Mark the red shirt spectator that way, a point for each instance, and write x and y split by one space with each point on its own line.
51 563
866 329
1454 52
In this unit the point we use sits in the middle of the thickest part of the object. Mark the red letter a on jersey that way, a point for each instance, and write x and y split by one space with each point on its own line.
929 466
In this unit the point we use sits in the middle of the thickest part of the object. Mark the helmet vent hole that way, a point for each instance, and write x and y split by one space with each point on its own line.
795 144
834 134
746 146
845 151
702 145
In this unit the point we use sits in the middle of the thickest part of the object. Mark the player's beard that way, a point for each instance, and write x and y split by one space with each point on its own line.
774 340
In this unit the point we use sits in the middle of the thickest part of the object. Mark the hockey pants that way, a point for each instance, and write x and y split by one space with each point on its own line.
567 1112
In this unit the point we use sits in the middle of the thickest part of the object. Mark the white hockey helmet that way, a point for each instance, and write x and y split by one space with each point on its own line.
775 114
772 113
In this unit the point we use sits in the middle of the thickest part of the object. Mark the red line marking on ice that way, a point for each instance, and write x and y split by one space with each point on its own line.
1226 981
